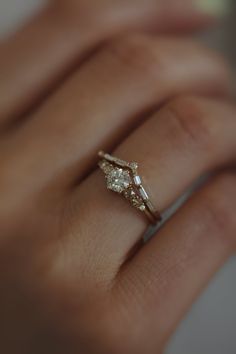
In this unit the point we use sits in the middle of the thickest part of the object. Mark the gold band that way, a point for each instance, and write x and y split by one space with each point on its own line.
122 177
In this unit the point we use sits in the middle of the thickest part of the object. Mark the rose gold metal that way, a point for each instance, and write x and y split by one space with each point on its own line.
134 191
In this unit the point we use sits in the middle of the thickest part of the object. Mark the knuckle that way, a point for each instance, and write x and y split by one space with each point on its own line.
189 123
219 209
139 53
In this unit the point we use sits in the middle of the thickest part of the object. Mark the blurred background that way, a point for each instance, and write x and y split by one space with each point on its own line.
210 327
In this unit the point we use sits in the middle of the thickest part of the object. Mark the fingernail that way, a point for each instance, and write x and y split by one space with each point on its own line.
216 8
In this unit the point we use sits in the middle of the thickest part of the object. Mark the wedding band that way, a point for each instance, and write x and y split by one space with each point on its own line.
122 177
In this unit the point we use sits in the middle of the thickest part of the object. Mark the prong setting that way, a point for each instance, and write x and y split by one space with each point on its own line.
122 177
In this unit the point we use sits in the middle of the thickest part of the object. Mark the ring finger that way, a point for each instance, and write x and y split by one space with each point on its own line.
182 141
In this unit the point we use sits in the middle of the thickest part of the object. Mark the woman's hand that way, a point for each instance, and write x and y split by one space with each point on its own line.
69 283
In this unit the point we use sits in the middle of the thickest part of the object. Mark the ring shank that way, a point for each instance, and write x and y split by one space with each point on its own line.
153 214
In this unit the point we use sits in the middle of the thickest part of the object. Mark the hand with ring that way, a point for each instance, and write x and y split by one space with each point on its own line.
84 77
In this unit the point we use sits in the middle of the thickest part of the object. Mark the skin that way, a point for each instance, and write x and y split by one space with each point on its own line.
74 280
73 30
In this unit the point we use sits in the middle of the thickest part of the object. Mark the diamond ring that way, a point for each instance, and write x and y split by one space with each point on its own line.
122 177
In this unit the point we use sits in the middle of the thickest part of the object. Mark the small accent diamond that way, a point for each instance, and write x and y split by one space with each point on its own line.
133 165
135 199
143 193
137 180
142 207
105 166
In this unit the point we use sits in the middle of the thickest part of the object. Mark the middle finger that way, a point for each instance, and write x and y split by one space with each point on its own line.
106 98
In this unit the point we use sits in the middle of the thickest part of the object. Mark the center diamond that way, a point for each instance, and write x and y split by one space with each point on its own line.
118 180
